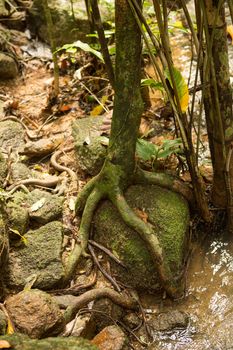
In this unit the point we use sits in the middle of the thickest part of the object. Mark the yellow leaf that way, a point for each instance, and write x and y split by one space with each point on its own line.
4 344
10 328
23 239
181 86
230 31
99 109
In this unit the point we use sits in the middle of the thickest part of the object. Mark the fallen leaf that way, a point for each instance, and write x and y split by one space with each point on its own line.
230 31
141 214
4 344
39 204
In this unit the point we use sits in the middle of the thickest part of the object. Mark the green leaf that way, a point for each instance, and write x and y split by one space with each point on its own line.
83 46
22 238
146 150
181 86
152 84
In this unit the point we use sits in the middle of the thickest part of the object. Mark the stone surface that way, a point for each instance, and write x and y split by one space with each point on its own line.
66 30
19 171
169 214
3 323
35 313
111 338
170 320
39 259
90 152
3 169
8 67
40 206
22 342
11 135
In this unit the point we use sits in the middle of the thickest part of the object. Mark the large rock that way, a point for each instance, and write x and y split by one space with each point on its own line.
38 205
35 313
66 30
40 259
169 214
11 135
111 337
22 342
89 150
8 67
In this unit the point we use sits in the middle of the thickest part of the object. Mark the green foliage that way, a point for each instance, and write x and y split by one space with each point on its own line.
73 47
149 151
181 86
157 85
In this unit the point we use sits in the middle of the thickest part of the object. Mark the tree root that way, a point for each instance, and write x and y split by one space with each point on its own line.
164 180
78 302
107 185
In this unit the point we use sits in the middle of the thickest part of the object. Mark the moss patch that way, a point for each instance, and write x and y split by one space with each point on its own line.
168 213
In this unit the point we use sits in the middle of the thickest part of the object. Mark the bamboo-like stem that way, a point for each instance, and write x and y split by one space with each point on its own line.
49 23
102 40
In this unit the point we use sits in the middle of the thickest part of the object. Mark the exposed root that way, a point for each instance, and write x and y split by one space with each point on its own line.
80 248
107 185
78 302
164 180
84 194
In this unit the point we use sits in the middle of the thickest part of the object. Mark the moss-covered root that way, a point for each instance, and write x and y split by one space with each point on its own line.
84 194
80 247
173 286
166 181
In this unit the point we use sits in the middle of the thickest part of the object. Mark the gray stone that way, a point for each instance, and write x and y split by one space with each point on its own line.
19 171
35 313
167 211
66 26
22 342
11 135
51 208
8 67
169 320
38 205
3 323
89 150
3 169
39 259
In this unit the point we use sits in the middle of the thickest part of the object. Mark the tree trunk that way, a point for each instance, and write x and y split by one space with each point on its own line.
219 98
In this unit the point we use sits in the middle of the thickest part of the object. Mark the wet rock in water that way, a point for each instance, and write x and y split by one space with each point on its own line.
8 67
167 211
89 149
170 320
3 322
22 342
35 313
111 337
39 259
11 135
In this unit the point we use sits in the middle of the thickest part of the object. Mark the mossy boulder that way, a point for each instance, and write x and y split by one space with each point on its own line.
37 205
39 260
22 342
67 29
167 211
89 150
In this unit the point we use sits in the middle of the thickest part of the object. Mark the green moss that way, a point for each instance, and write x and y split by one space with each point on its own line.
167 212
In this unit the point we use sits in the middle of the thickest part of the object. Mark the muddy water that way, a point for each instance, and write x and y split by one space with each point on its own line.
208 302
